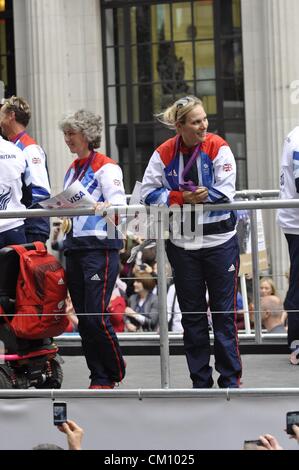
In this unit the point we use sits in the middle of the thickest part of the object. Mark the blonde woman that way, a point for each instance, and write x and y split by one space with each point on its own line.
196 167
267 286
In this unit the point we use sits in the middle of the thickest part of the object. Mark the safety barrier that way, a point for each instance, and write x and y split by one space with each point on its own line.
148 344
149 419
251 205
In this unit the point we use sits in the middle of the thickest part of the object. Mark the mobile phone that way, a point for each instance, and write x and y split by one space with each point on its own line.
292 418
59 412
252 445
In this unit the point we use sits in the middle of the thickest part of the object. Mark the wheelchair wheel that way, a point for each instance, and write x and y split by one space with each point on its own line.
5 381
54 375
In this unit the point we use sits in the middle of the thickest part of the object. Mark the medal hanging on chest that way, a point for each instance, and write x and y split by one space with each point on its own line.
66 225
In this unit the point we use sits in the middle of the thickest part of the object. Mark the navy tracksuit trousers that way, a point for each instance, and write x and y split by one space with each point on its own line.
215 269
14 236
291 303
91 276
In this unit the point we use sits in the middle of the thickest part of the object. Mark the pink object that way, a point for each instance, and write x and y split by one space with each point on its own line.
16 357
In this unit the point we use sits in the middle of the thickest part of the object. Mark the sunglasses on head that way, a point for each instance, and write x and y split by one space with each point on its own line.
181 103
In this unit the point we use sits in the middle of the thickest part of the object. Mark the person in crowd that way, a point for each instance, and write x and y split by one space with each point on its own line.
92 258
142 312
270 442
15 115
57 237
72 317
240 311
74 435
193 168
13 190
117 306
267 286
272 312
288 219
173 310
128 257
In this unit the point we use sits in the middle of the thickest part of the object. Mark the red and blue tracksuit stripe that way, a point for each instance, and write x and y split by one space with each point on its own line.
92 265
91 279
215 269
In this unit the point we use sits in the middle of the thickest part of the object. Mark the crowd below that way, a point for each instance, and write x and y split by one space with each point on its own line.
133 305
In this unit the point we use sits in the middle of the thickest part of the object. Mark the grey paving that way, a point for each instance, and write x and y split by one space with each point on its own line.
259 371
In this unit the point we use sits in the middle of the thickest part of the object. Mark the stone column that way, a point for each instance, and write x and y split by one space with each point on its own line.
47 81
282 69
64 72
271 65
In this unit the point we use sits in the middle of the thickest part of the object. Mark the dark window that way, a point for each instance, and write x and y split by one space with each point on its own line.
7 55
157 51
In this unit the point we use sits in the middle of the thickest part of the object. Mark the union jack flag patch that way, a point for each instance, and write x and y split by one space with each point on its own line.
227 167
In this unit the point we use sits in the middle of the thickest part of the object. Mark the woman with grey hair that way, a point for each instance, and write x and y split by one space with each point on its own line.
92 257
87 123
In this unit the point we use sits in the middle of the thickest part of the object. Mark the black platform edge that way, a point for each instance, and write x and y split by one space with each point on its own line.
177 350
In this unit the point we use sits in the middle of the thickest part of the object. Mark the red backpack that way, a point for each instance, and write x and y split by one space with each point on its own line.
40 294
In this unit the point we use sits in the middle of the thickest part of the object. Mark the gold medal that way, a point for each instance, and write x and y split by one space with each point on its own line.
66 225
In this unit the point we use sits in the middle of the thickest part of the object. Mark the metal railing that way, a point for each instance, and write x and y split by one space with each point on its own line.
139 394
251 205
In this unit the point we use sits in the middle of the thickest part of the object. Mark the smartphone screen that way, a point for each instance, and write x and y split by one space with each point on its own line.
59 412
